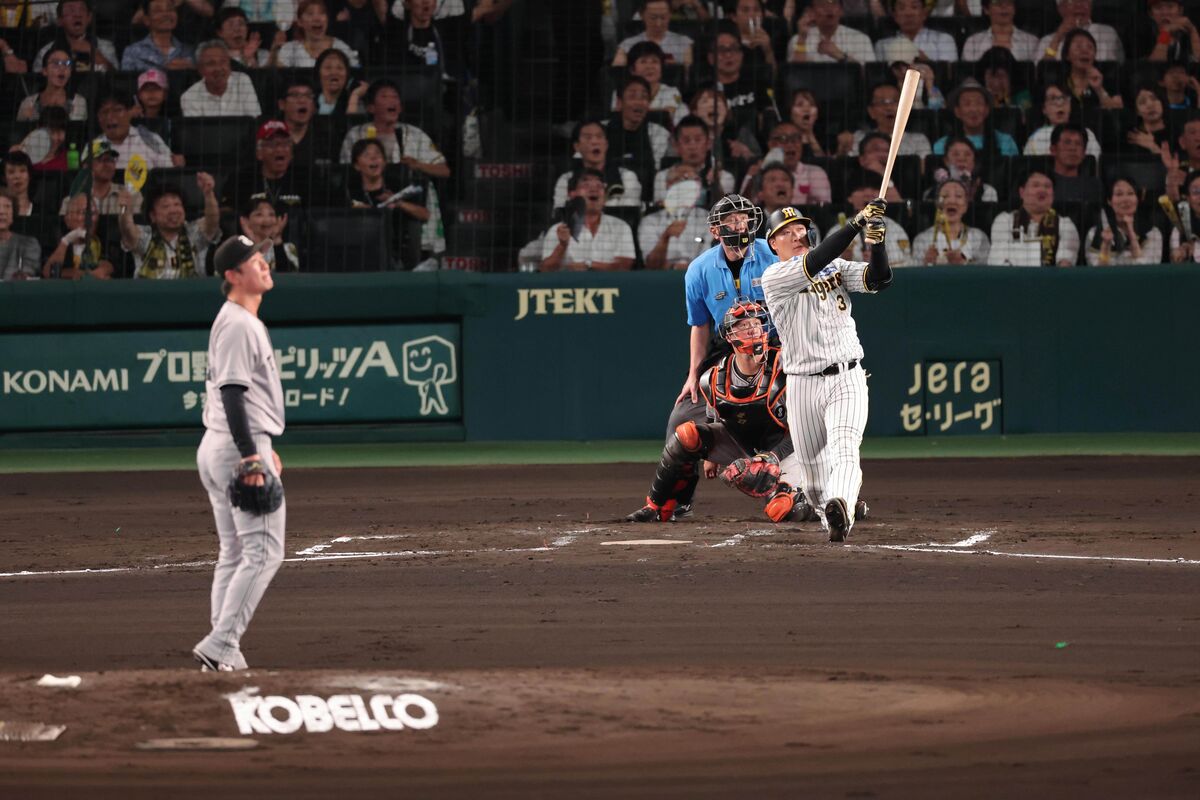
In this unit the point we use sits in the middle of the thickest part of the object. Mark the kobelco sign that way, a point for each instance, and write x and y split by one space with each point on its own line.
346 712
565 301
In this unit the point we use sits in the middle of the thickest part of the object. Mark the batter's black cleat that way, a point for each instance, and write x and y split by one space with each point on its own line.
861 509
838 519
210 664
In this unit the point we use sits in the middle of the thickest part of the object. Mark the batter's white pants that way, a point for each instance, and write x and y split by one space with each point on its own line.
250 548
827 416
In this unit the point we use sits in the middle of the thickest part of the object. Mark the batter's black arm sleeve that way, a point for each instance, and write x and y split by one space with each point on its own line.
234 401
830 248
879 272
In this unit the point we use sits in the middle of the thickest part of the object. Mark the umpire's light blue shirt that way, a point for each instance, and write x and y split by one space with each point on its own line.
708 284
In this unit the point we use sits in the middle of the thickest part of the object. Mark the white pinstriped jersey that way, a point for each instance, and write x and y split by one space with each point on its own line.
813 317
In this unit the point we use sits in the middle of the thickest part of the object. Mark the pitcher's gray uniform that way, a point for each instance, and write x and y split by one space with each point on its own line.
251 546
809 298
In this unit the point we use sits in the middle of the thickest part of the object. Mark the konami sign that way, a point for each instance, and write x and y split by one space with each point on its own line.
346 712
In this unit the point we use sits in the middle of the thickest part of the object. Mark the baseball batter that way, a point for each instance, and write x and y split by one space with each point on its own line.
746 427
239 470
808 293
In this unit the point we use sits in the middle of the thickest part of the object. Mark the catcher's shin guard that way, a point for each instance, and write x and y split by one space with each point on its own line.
679 470
784 503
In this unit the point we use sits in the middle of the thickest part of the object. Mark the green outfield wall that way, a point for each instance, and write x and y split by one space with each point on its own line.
593 356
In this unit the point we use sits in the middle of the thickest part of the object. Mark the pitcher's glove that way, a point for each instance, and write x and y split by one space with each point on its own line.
756 476
876 231
255 499
872 210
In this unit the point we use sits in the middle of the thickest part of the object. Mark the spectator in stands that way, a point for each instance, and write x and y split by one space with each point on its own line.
80 253
100 159
996 70
1034 235
737 145
21 15
771 189
18 182
423 42
671 239
87 52
312 19
1179 87
589 239
1077 14
115 113
281 12
867 169
1085 80
170 246
746 95
151 99
820 37
810 183
1001 33
656 16
13 63
950 240
1067 148
20 256
1149 131
954 8
369 187
639 144
960 162
363 24
297 106
1185 159
896 240
244 45
1123 235
901 55
1185 237
747 15
972 106
910 16
56 91
160 48
220 92
404 144
46 145
337 95
881 118
804 114
260 221
1058 106
275 175
1171 36
591 152
646 61
693 144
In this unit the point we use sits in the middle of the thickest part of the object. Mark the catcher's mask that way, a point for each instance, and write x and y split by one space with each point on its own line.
727 230
739 330
782 218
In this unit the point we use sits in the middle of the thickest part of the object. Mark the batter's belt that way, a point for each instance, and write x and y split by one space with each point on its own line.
834 369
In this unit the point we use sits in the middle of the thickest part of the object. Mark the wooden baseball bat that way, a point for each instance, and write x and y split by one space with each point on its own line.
912 79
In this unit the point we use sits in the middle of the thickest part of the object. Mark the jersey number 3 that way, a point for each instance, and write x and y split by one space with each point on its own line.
840 300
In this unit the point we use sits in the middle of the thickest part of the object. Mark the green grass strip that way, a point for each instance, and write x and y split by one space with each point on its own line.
409 454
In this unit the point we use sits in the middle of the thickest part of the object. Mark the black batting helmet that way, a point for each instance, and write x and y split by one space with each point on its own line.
786 216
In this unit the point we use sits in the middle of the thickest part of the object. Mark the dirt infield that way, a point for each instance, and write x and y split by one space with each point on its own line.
995 628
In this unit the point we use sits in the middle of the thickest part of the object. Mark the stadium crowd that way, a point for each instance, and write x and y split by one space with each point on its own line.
483 134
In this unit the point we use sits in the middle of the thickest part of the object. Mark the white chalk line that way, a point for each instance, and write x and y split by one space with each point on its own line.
317 552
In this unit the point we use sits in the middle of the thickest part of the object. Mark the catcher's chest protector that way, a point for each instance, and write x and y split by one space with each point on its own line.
753 414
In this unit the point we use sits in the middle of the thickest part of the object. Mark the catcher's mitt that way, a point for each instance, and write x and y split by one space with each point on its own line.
756 476
255 499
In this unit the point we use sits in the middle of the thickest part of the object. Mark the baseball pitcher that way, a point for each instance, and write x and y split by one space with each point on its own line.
239 470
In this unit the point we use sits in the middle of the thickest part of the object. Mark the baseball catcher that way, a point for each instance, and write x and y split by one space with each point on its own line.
745 429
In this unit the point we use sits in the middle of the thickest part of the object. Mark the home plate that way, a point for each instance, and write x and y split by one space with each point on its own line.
198 743
647 542
29 731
